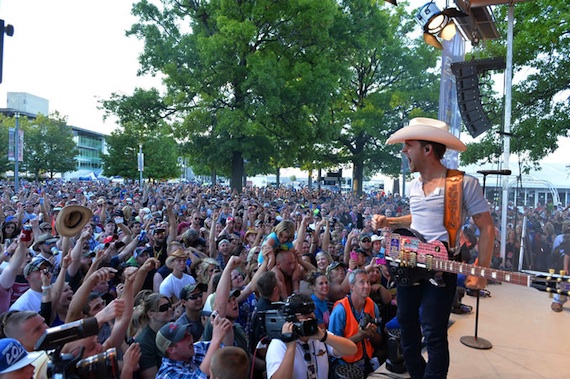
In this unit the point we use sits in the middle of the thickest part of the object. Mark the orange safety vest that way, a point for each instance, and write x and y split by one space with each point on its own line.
351 328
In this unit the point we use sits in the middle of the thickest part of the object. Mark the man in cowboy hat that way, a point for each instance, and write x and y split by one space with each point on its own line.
44 245
424 144
178 278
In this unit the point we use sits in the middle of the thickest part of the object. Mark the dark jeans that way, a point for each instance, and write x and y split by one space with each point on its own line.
435 303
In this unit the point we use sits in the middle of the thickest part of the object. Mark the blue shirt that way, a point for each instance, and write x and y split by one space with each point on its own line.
277 244
321 310
170 369
338 319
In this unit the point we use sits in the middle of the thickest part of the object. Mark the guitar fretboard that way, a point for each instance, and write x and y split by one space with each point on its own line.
409 251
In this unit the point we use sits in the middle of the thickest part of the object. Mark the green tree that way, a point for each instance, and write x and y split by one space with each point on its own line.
541 71
242 76
48 146
5 124
391 78
160 154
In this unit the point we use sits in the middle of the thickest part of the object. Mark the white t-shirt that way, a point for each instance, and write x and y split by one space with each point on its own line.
427 210
29 301
171 285
319 353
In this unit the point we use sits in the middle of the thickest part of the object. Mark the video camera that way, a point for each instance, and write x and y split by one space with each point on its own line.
272 321
103 365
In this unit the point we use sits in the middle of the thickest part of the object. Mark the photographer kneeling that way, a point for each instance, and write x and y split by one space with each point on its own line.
303 349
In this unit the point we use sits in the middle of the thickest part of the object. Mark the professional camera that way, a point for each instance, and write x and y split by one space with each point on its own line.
104 365
368 319
273 321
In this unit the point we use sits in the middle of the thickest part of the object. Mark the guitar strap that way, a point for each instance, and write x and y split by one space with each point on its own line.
452 206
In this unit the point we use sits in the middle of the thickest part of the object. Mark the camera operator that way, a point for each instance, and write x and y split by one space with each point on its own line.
297 355
357 317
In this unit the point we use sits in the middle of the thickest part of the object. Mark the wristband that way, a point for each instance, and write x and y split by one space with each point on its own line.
324 337
7 254
45 288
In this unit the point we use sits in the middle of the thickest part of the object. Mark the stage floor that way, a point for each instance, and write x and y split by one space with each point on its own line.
528 339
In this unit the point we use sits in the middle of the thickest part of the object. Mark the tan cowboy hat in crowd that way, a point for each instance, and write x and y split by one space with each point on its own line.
71 219
427 129
175 255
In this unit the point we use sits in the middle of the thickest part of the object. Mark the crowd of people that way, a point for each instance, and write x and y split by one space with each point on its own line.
180 277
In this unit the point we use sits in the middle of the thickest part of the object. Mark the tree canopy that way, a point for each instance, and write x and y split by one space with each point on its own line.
160 154
48 145
302 83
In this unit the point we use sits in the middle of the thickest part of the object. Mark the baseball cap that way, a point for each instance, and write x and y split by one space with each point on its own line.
234 293
181 226
35 264
188 289
171 333
142 250
334 265
364 236
13 356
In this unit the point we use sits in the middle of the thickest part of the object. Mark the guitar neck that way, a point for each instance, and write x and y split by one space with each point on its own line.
483 272
408 251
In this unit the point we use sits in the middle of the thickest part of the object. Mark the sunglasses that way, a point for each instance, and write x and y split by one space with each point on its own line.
366 240
195 296
49 229
165 307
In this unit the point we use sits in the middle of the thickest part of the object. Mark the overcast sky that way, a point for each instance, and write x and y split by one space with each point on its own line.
74 53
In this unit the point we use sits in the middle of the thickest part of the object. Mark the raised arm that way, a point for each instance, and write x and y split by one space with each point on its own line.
19 250
220 327
75 311
122 322
77 253
224 286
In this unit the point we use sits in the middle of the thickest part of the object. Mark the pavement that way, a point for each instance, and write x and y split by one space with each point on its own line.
528 339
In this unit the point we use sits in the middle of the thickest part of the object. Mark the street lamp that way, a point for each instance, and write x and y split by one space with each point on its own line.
140 161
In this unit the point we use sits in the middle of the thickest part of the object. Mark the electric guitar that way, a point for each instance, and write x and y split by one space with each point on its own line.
412 260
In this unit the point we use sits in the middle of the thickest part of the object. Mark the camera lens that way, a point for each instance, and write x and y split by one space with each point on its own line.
104 365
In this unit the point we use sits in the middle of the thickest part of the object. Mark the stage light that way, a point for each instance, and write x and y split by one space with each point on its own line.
436 23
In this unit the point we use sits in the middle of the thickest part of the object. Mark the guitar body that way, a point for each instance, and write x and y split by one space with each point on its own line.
412 260
410 254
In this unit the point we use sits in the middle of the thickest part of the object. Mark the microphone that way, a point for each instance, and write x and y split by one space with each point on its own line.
494 172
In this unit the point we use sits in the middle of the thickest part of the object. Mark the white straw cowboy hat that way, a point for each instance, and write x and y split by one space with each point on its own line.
427 129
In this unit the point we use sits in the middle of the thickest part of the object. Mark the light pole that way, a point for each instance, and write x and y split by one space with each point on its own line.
16 153
140 162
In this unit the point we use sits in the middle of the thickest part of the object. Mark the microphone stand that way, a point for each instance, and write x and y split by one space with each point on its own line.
475 341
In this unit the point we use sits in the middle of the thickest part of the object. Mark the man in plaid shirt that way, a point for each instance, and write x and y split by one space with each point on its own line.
184 359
